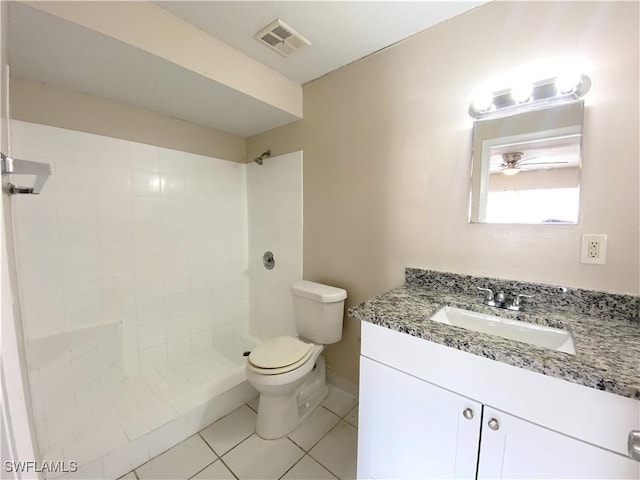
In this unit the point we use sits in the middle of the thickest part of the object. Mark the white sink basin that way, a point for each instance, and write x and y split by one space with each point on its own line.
547 337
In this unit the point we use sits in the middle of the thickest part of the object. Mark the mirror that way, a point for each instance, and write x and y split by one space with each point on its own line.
526 167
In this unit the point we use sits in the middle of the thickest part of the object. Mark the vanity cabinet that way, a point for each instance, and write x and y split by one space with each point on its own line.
410 427
429 411
521 449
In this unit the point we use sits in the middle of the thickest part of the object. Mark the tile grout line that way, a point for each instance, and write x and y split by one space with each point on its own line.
218 457
342 419
207 443
314 458
297 461
211 447
247 404
204 468
320 439
294 463
229 468
305 451
345 416
162 453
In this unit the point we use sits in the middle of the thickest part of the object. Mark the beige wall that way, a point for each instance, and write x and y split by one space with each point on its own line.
38 103
387 147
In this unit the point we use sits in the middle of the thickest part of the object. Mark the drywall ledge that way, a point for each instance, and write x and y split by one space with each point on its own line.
150 28
39 103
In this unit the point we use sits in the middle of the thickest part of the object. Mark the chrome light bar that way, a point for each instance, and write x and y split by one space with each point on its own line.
525 97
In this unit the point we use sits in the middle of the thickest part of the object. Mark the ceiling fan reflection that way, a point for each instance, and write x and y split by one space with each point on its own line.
513 162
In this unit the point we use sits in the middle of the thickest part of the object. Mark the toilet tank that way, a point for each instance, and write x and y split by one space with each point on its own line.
318 310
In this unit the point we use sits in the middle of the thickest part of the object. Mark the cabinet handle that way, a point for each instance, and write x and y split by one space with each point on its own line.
467 413
633 444
493 424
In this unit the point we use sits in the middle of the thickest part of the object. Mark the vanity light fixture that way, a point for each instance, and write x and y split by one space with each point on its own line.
563 88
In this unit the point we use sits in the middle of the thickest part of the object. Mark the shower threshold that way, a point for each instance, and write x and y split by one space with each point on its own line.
140 417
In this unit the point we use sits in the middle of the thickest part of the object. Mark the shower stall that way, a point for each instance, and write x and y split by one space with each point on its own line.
141 285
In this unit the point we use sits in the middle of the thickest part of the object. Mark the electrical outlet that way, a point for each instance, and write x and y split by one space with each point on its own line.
594 249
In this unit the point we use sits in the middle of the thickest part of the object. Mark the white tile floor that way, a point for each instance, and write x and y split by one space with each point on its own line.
322 447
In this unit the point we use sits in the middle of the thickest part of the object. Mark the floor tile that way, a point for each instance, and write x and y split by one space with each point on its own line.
216 471
337 451
308 469
180 462
256 458
129 476
229 431
352 417
314 427
339 401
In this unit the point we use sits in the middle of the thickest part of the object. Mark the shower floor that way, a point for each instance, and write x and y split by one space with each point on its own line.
176 397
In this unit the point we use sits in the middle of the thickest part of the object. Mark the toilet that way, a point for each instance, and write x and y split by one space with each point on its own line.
289 372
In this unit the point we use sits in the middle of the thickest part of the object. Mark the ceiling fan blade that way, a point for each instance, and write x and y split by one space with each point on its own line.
544 163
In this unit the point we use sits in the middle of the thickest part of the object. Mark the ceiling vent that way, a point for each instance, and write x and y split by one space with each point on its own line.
282 38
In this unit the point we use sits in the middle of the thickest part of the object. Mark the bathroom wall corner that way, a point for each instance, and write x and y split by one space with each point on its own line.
17 418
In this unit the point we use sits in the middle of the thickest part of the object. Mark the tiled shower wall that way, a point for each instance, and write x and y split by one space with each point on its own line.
275 224
150 240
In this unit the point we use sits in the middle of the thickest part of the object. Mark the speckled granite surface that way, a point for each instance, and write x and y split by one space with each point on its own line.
607 343
588 302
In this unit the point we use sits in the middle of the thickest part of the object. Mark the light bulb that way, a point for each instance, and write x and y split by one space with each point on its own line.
521 93
567 82
483 101
510 171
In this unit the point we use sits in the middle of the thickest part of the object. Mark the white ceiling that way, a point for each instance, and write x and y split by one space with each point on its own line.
48 49
341 32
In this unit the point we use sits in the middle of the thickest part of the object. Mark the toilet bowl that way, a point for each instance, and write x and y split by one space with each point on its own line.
289 372
287 393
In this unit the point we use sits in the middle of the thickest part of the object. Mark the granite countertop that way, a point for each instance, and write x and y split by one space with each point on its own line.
607 350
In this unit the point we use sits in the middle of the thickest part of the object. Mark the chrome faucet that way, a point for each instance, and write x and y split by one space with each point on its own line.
489 298
500 300
516 305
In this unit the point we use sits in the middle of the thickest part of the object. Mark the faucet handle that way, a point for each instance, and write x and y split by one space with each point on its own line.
488 297
516 304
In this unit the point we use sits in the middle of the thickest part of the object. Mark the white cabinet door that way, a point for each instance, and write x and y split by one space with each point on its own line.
520 449
409 428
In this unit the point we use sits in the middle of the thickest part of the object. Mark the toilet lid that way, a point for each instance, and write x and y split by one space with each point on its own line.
279 352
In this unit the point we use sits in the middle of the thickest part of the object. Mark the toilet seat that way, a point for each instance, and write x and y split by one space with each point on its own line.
279 355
